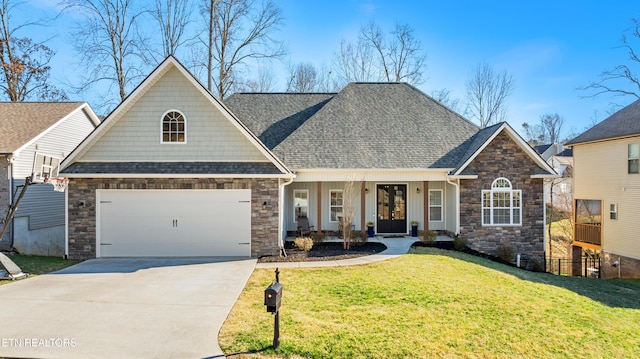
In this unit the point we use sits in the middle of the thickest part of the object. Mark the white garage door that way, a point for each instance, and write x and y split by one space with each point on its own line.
160 223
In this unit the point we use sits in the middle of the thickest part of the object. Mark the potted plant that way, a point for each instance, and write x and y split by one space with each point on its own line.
414 228
370 229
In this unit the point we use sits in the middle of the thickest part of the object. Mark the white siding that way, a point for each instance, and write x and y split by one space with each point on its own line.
58 142
136 136
44 206
600 173
415 204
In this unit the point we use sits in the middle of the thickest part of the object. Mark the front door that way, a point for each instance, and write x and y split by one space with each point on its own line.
392 199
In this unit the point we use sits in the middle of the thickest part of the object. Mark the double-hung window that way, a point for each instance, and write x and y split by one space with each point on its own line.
501 205
336 204
634 158
435 205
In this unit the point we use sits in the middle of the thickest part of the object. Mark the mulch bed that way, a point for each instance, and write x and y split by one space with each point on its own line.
325 251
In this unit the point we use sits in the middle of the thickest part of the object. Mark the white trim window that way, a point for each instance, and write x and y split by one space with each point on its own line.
174 127
634 158
336 205
613 211
435 205
501 205
300 204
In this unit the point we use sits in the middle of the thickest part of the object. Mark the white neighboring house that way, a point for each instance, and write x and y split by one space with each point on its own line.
37 128
558 191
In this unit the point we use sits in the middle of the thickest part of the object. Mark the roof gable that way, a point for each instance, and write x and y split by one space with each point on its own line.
131 133
21 123
485 136
625 122
372 126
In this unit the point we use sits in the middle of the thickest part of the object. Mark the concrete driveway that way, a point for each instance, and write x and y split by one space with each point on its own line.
122 308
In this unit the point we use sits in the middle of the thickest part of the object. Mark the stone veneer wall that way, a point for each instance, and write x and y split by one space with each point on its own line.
4 200
503 158
629 267
82 218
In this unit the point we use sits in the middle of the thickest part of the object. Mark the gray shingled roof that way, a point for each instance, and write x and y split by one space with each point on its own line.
275 116
188 168
20 122
366 125
472 145
625 122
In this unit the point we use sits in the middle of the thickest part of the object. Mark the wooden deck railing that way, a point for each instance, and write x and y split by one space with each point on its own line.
588 233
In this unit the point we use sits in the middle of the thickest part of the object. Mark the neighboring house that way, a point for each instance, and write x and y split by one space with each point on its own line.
558 192
173 171
29 129
607 192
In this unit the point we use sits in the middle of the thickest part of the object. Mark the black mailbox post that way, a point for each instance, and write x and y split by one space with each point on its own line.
272 299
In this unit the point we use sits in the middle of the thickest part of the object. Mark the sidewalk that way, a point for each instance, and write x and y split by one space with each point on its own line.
395 248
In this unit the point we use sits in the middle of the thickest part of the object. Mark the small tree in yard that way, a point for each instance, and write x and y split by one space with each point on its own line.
348 211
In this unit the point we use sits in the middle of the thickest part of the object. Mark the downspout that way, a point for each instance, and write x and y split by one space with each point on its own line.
456 184
10 160
281 215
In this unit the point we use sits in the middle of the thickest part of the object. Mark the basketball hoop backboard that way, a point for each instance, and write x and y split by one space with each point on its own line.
44 167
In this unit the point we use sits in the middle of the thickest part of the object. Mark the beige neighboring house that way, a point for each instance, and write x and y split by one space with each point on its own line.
607 192
28 129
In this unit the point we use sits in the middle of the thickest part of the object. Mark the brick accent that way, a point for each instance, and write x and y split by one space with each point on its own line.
503 158
629 267
82 218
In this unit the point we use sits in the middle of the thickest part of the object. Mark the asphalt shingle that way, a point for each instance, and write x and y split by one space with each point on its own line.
188 168
366 125
625 122
20 122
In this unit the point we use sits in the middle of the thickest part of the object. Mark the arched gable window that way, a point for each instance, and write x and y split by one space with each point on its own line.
174 127
501 205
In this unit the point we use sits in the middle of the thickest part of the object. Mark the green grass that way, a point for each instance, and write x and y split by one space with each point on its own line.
34 265
436 303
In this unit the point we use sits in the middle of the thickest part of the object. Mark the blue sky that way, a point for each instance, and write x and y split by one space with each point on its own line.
550 47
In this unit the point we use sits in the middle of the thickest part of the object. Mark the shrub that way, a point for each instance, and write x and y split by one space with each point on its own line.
535 264
317 237
304 243
428 237
460 243
505 254
359 236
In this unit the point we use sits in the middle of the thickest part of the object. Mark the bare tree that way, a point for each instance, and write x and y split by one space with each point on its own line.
239 31
487 92
546 131
349 193
108 42
354 62
265 81
443 96
621 80
24 62
303 77
172 16
376 57
402 58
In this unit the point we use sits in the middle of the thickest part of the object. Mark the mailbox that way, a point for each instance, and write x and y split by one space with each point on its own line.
273 297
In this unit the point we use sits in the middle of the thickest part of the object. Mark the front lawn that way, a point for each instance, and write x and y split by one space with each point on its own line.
34 265
436 303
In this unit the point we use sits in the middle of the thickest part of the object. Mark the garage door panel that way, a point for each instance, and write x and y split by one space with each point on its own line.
175 223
